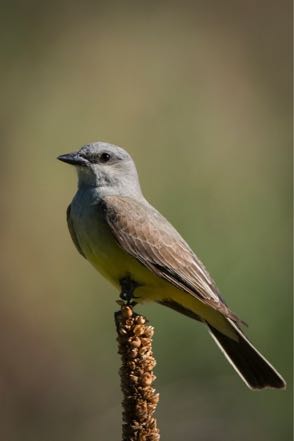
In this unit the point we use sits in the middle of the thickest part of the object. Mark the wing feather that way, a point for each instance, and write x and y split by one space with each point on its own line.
146 235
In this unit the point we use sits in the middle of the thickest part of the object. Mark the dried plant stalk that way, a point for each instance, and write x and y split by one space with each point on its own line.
140 399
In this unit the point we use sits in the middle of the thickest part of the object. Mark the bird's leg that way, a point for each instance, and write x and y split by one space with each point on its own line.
128 287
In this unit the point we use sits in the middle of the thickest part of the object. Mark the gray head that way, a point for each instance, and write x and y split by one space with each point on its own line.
105 166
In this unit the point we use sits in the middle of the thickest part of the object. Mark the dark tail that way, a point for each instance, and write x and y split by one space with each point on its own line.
252 367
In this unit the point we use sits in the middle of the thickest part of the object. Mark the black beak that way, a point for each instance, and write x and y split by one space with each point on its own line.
73 159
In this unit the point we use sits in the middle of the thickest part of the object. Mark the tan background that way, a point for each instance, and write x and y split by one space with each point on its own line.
199 93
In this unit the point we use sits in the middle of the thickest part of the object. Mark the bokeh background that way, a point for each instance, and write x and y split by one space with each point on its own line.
200 94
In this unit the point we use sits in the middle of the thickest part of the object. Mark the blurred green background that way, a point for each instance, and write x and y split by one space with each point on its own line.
200 94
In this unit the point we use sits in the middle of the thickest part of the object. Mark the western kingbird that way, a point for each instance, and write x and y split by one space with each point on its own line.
130 243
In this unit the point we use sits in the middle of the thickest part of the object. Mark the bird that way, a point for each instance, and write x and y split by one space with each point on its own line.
132 245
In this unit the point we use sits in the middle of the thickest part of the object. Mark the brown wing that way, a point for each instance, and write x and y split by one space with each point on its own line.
72 232
150 238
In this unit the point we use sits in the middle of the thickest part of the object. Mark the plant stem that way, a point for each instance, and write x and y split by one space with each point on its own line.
140 399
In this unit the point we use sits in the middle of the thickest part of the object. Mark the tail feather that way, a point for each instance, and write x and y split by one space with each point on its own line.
252 367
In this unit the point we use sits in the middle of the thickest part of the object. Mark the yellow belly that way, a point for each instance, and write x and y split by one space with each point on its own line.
118 264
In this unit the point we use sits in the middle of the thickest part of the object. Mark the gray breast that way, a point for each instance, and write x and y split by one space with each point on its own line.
88 220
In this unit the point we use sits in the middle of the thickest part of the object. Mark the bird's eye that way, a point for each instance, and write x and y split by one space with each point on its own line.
105 157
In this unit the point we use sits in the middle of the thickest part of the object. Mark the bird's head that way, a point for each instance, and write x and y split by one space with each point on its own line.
105 166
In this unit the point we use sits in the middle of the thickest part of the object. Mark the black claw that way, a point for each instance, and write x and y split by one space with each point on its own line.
128 287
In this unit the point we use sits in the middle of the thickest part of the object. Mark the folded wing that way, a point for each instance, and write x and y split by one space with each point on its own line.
146 235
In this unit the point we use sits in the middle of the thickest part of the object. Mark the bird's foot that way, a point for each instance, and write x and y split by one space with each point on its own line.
128 287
